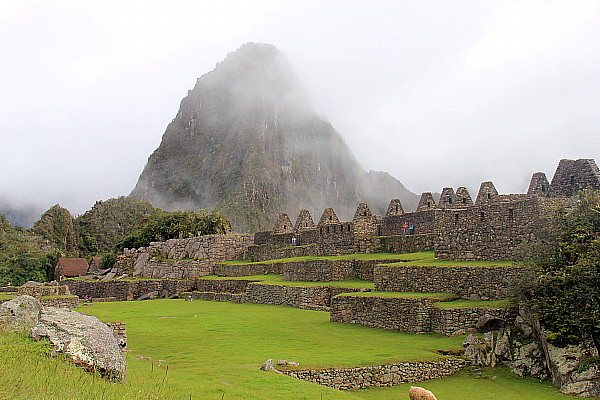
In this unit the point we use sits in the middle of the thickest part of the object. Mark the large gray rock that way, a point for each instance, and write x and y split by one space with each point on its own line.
89 342
19 314
565 365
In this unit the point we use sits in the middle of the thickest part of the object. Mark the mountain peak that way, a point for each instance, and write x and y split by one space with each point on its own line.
246 140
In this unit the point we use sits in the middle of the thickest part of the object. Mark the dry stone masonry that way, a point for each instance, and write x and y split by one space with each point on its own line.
381 375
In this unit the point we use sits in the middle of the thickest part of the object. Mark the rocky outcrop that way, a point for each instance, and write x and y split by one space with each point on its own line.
90 343
575 368
19 314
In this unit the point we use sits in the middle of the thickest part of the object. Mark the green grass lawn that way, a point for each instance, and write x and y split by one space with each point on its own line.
212 350
474 384
274 279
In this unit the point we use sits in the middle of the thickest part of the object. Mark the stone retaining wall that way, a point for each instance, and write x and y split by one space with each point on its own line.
381 375
214 296
247 269
60 302
467 282
222 286
176 269
120 331
403 243
308 298
394 313
412 315
43 290
184 258
457 320
267 252
127 290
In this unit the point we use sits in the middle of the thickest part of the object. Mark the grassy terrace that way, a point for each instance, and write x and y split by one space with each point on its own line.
357 256
212 350
273 279
428 259
423 258
445 297
469 303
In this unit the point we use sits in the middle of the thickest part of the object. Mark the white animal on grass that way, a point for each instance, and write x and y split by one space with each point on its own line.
418 393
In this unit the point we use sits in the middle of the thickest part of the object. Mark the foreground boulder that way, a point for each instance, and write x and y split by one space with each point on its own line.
19 314
89 342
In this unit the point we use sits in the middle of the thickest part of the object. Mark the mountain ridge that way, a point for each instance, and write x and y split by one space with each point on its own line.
246 140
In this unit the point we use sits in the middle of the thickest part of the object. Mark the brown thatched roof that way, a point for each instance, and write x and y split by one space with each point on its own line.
71 267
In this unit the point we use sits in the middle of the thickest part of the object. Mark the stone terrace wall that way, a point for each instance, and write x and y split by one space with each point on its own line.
184 258
176 269
267 252
467 282
308 298
412 315
452 321
381 375
60 302
491 231
215 296
127 290
43 290
393 313
403 243
247 269
209 247
222 286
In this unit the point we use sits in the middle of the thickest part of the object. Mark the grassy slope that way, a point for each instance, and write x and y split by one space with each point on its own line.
488 384
28 372
212 351
212 342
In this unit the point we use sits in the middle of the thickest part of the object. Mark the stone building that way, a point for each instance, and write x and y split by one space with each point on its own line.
492 227
70 267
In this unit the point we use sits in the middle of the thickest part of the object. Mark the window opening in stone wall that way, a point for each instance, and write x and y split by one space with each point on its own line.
321 230
450 200
330 218
511 214
464 200
327 229
396 208
543 188
284 227
428 204
348 227
481 216
365 214
489 196
572 179
456 218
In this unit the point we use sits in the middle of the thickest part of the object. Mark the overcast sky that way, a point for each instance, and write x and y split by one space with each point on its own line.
437 93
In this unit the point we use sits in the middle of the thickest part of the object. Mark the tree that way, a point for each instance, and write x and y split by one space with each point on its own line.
565 291
178 224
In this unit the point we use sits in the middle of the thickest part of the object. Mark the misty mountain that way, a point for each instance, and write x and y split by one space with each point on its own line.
247 141
20 215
